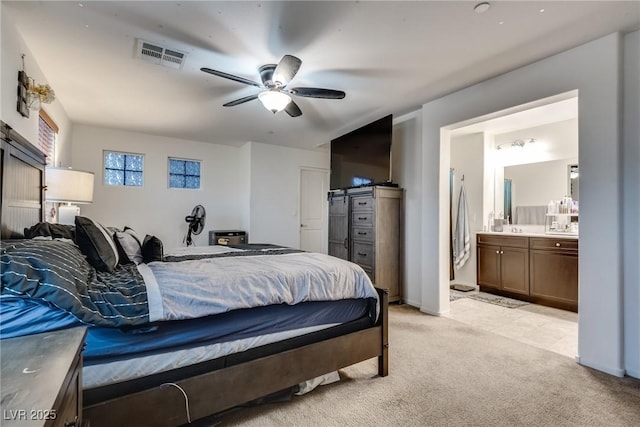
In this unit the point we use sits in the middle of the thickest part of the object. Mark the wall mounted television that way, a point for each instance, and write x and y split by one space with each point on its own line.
362 157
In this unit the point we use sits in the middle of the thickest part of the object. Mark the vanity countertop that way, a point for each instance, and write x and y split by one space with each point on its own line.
529 234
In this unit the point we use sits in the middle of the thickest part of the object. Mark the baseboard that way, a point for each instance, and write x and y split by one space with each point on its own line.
633 373
618 372
434 313
411 303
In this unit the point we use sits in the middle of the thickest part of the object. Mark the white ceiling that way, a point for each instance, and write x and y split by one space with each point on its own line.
389 57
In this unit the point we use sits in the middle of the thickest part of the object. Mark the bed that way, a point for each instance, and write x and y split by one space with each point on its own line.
218 355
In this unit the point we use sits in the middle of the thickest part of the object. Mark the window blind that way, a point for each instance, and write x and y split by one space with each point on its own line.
47 131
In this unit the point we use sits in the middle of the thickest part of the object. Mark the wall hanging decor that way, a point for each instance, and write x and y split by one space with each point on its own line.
30 94
23 91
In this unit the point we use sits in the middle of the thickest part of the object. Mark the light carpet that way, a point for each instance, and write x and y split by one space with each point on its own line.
445 373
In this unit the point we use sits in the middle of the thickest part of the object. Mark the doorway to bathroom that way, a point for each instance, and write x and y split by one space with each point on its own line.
514 164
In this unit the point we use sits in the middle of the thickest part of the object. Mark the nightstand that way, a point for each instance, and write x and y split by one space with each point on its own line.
42 379
227 237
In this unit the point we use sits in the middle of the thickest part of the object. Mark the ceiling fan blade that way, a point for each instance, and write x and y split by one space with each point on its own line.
286 69
230 77
314 92
240 101
292 109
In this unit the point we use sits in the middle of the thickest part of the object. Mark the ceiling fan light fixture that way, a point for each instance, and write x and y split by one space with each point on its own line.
274 100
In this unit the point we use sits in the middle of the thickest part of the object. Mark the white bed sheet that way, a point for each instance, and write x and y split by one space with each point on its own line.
199 288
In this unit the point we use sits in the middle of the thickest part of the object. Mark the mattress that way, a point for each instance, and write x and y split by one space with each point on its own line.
25 317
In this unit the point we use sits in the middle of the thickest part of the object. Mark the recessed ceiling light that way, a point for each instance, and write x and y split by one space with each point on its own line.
541 10
501 23
482 7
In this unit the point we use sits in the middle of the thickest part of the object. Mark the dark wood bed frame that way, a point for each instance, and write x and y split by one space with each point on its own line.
22 171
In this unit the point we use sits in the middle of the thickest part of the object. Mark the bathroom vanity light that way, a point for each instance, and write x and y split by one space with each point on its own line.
518 143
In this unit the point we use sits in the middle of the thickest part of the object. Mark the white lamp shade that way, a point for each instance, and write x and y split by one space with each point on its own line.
274 101
69 185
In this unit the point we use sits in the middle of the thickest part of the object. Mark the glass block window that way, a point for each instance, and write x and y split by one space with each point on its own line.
123 169
184 173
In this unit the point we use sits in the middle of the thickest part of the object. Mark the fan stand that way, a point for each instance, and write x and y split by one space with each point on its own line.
188 239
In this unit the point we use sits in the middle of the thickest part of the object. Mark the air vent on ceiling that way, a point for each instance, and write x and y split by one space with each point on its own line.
151 52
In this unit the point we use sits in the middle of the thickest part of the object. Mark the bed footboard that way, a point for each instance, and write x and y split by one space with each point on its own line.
216 391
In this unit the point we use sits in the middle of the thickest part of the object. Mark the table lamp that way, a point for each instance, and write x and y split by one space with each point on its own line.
68 186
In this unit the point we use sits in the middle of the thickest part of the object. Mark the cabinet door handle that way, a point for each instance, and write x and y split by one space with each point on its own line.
346 243
361 254
362 233
557 245
497 252
501 252
362 218
362 203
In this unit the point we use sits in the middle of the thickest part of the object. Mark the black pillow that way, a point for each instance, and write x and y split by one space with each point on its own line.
96 244
55 231
152 249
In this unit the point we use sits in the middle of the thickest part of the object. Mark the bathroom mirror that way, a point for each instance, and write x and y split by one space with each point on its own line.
534 184
574 181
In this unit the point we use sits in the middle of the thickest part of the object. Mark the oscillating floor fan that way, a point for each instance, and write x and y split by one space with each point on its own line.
196 223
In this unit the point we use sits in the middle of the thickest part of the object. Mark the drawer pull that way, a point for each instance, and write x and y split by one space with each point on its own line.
362 203
362 254
497 252
362 233
557 245
362 218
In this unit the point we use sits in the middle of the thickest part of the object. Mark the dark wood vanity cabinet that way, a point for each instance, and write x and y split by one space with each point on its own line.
503 263
554 271
543 270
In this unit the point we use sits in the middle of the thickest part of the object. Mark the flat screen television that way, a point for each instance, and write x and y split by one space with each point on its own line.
362 157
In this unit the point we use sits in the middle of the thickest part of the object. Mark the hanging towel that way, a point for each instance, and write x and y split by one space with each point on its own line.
461 235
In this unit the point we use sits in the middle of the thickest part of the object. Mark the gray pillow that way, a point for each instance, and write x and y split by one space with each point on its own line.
131 248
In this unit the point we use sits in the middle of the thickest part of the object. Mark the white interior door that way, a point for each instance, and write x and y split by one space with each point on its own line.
314 184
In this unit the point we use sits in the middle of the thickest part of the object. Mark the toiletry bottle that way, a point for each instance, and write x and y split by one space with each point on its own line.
550 207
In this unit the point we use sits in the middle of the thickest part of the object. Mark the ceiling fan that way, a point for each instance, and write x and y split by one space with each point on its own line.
276 97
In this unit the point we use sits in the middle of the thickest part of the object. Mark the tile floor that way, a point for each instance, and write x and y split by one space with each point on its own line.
544 327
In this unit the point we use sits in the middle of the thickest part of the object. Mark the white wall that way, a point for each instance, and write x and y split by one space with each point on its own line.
631 204
467 158
154 208
406 171
594 69
13 47
274 189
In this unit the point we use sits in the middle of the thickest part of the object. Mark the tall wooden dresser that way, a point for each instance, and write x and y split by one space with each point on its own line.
365 227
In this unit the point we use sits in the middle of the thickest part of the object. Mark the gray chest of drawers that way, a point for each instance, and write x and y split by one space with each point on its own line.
365 227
